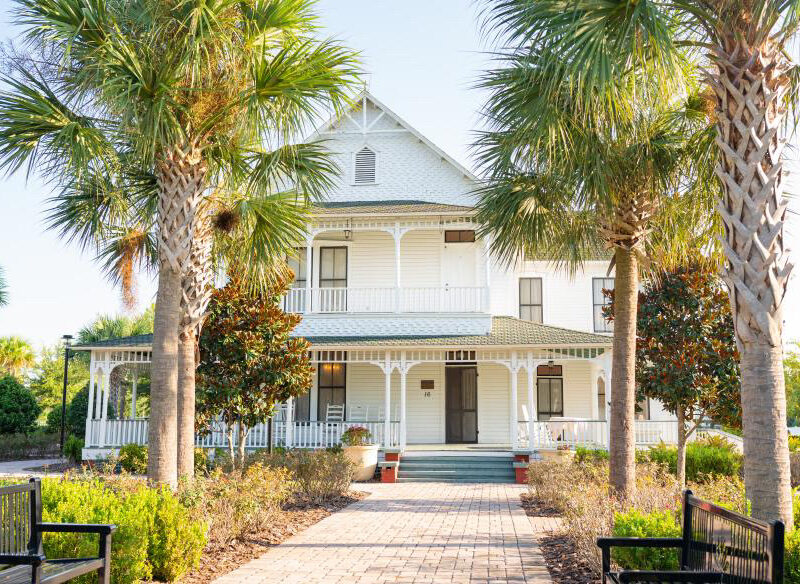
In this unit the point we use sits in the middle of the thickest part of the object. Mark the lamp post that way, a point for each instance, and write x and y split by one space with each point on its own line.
67 341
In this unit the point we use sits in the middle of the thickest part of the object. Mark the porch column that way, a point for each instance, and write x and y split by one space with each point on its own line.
387 402
309 271
514 431
398 236
133 391
531 401
487 276
90 405
289 422
403 373
104 404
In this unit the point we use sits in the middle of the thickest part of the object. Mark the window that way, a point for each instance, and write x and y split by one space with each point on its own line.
302 407
297 264
332 274
530 299
459 236
550 393
601 325
601 399
366 161
331 387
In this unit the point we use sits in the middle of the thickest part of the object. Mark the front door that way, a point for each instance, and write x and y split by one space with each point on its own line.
461 403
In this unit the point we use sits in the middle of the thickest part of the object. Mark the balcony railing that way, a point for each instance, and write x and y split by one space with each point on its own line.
312 435
409 300
593 433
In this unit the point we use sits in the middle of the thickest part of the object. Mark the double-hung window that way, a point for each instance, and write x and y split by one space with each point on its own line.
333 275
599 300
549 392
530 299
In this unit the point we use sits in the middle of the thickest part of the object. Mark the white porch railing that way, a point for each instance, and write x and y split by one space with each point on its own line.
116 433
420 300
593 433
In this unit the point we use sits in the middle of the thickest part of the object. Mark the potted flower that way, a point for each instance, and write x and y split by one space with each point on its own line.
358 448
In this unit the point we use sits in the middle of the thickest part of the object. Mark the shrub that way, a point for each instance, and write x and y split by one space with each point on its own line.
76 414
791 559
356 436
654 524
702 459
202 461
319 475
588 455
18 407
73 449
156 536
36 445
133 458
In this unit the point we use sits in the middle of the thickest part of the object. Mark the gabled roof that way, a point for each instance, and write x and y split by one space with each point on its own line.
398 207
364 96
506 331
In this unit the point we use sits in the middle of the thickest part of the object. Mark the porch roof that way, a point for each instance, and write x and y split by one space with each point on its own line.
506 331
392 207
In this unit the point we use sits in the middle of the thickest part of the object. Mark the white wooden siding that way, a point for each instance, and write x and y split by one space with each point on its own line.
371 262
420 258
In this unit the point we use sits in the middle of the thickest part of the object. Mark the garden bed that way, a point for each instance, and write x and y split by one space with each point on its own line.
294 517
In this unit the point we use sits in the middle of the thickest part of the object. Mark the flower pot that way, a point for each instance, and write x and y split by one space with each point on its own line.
364 459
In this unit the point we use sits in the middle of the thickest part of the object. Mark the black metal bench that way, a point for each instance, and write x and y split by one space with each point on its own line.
21 529
717 545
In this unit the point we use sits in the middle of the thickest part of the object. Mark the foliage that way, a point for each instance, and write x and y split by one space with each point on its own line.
33 445
318 475
3 288
18 407
654 524
590 455
16 355
47 379
703 461
248 361
356 436
73 449
238 503
791 374
156 536
202 461
108 326
791 558
133 458
686 355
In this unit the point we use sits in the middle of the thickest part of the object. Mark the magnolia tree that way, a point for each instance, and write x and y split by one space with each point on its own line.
686 354
248 362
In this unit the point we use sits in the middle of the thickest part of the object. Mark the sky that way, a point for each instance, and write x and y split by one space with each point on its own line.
422 58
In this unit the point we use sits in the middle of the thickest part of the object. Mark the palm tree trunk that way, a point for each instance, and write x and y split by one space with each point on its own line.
181 178
622 449
186 399
681 462
751 84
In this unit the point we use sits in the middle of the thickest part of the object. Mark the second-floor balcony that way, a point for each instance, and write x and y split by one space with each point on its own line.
450 299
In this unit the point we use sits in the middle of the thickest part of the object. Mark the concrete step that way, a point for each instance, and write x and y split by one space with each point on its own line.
496 480
462 469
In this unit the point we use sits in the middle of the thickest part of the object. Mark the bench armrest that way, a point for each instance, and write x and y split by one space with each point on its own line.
606 543
22 560
76 528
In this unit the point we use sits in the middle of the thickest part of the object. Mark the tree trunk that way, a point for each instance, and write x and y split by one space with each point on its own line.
162 430
186 397
181 176
231 446
681 463
243 431
767 476
751 83
622 449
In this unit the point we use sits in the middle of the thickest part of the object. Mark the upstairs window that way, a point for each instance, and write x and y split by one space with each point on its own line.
365 167
530 299
459 236
601 325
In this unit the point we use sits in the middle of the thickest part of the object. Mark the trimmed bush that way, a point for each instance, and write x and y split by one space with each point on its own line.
18 407
319 475
35 445
589 455
703 460
637 524
133 458
156 536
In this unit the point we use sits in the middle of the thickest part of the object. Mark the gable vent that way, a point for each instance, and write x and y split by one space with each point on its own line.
365 166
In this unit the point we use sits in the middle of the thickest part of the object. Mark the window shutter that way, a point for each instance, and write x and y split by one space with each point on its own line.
365 166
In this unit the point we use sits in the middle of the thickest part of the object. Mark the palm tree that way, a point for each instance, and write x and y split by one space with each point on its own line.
192 90
752 81
3 288
16 355
569 185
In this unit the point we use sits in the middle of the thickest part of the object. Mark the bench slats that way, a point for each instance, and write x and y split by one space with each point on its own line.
52 573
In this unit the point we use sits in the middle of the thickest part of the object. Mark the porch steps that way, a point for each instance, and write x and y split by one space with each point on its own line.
456 469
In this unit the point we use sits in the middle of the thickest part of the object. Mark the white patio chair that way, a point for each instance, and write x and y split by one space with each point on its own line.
358 413
334 413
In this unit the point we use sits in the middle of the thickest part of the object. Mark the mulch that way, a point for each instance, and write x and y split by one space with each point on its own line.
295 517
562 561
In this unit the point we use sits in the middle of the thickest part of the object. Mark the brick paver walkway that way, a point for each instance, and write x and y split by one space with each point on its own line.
411 532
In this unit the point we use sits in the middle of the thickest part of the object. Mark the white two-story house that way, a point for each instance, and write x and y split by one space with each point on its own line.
416 331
